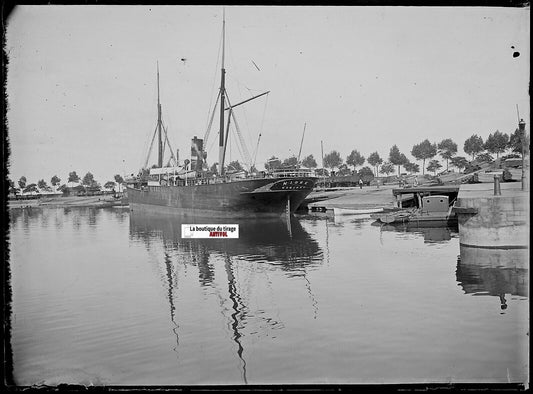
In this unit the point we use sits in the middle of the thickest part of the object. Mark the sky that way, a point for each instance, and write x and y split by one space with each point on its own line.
82 81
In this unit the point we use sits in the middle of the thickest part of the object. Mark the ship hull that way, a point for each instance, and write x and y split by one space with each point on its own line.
244 198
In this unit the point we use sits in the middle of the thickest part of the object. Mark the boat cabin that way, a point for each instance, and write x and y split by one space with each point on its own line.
415 196
434 204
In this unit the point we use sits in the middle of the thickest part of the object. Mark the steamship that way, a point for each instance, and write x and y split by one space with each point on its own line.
192 189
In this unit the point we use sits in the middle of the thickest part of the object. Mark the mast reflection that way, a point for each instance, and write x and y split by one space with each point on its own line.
239 313
493 272
273 244
170 292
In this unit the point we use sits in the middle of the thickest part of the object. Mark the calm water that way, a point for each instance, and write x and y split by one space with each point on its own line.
105 296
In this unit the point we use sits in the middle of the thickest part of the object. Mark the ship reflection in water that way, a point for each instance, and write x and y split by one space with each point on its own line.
493 272
262 246
277 241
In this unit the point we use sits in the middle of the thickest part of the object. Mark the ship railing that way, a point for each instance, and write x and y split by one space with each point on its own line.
163 181
291 173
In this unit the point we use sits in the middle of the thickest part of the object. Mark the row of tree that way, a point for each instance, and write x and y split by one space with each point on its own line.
496 143
87 181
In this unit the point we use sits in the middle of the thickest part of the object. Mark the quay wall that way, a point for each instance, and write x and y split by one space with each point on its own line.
70 201
500 221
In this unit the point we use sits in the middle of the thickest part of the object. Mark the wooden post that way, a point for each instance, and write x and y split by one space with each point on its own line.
497 189
399 200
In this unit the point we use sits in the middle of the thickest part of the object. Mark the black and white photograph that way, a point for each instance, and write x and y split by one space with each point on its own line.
266 196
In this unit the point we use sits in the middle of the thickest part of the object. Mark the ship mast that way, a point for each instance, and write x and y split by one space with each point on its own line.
159 122
221 141
301 143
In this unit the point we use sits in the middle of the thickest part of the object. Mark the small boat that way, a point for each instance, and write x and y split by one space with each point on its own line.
347 211
432 211
402 216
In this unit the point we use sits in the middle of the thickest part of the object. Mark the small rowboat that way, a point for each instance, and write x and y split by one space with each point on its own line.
346 211
393 217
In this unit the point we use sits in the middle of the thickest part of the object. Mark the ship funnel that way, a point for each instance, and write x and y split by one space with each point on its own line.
521 125
197 156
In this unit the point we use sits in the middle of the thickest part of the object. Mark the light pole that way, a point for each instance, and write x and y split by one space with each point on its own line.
522 131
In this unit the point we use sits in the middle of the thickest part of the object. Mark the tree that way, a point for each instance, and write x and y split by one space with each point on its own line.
447 149
497 143
386 168
374 160
485 157
110 185
119 180
22 182
290 162
31 188
12 188
516 140
309 162
473 146
411 167
396 158
423 151
459 162
332 159
322 172
273 163
88 180
355 159
213 168
234 166
366 174
63 189
73 177
343 170
55 180
434 165
42 185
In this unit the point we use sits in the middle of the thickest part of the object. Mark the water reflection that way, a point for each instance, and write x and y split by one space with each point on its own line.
264 245
354 221
437 235
238 313
285 245
493 272
79 216
23 215
93 216
171 284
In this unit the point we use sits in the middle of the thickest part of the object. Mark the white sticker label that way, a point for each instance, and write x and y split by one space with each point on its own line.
209 231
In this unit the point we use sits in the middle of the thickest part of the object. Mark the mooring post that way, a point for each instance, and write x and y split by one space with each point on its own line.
497 189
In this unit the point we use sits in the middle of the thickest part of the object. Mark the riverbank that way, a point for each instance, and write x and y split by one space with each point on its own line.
71 201
354 197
